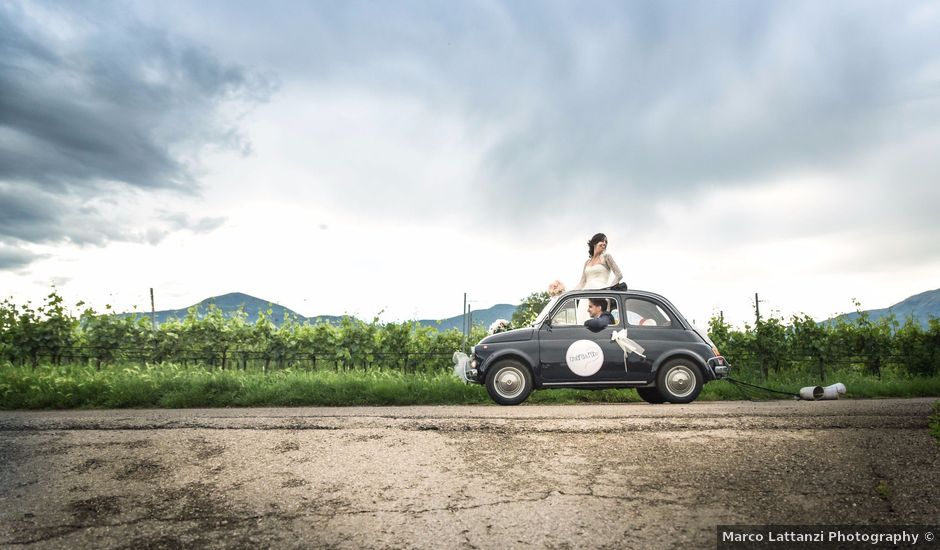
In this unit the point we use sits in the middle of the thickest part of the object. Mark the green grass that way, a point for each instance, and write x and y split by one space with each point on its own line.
935 422
859 385
883 490
174 386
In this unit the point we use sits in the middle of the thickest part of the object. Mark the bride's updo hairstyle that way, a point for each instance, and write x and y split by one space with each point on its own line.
593 242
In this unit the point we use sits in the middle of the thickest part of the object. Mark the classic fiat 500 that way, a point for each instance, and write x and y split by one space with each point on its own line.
632 339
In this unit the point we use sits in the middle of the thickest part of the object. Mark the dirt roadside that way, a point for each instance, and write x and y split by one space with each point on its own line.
584 476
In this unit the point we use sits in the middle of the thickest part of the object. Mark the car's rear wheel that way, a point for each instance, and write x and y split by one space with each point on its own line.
679 381
650 395
509 382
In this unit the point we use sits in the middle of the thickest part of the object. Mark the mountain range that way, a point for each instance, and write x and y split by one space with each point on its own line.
921 307
232 302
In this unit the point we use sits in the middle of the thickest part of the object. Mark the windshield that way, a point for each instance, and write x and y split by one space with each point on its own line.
545 310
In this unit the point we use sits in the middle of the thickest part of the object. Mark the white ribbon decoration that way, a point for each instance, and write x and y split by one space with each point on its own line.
628 345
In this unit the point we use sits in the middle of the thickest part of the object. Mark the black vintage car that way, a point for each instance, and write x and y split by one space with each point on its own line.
661 354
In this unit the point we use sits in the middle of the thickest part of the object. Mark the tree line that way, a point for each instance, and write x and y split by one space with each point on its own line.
804 345
50 333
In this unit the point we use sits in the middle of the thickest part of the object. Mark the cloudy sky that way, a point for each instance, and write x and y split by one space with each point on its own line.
366 157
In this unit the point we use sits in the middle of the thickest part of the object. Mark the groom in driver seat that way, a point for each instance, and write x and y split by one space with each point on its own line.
600 317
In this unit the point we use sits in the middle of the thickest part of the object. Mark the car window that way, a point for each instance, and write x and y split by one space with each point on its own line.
545 311
643 313
574 312
567 314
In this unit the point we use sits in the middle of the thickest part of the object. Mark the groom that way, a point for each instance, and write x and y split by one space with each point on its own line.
600 318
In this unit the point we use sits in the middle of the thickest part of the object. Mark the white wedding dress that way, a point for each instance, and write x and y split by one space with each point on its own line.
594 277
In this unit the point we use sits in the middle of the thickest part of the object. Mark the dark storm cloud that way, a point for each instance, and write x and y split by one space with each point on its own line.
122 102
89 98
646 100
12 257
28 214
661 100
32 215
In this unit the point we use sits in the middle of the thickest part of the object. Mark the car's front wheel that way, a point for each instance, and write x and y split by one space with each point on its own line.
509 382
650 395
679 381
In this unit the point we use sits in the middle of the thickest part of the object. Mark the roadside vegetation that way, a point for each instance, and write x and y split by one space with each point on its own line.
51 358
935 422
177 386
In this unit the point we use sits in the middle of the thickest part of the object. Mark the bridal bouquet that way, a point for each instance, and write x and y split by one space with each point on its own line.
556 288
500 325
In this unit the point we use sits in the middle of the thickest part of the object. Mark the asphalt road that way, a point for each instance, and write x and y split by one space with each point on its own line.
582 476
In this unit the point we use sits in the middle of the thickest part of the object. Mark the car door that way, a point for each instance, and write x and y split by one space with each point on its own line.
570 353
649 324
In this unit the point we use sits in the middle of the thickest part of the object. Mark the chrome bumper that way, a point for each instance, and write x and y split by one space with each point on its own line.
717 368
463 368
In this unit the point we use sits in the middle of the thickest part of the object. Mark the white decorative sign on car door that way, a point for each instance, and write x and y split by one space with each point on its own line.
584 357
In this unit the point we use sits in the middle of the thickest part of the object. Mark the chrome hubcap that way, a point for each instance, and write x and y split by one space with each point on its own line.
680 381
509 382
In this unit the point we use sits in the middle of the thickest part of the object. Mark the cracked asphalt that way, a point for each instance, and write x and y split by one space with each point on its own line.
579 476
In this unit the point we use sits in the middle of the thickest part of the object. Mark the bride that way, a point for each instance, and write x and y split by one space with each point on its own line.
600 270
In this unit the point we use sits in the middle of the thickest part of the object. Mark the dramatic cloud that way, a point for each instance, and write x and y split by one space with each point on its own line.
645 101
175 222
15 258
656 101
90 98
31 215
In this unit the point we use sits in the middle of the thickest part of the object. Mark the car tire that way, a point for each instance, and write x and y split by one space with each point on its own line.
679 381
650 395
509 382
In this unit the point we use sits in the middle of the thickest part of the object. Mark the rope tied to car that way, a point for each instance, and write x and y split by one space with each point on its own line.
740 386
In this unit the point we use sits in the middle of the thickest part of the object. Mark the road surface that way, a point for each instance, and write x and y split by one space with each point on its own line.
578 476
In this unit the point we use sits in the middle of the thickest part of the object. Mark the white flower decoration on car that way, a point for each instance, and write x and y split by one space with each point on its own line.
500 325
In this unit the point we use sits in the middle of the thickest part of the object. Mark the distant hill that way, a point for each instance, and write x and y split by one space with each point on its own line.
480 317
921 307
232 302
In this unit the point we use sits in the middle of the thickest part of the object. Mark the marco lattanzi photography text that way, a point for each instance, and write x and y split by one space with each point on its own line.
825 536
